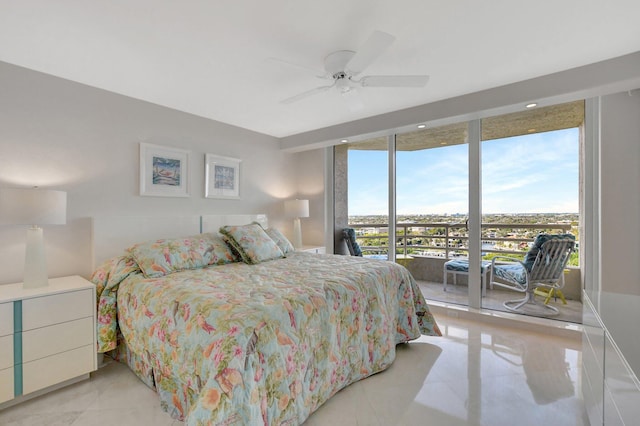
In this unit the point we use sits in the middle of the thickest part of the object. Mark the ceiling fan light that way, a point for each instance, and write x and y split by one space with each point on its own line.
342 84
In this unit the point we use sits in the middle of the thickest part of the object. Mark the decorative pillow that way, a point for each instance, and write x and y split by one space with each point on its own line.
162 257
530 258
279 238
252 243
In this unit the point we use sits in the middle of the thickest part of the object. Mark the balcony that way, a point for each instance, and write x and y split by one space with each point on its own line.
424 248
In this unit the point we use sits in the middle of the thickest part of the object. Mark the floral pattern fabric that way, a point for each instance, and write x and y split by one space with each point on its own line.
262 344
279 238
162 257
252 243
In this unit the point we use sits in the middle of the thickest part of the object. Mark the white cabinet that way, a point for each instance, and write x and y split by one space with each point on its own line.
610 387
621 386
47 335
593 346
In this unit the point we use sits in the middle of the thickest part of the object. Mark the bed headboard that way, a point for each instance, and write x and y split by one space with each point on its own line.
213 222
113 234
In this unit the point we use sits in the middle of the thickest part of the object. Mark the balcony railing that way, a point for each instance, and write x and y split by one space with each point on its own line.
451 239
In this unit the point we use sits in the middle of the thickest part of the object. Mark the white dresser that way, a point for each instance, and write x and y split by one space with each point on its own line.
611 358
47 336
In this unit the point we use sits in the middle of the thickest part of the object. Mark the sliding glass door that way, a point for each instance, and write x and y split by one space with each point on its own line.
531 185
444 200
368 195
432 207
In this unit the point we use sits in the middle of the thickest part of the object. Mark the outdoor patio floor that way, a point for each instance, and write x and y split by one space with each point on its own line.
571 312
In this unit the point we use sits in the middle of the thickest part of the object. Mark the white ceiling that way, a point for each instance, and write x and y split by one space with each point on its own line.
211 58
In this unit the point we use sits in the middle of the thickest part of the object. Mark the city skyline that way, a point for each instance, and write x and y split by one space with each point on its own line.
536 173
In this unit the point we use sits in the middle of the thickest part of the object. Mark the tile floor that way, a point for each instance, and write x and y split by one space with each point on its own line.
571 312
475 374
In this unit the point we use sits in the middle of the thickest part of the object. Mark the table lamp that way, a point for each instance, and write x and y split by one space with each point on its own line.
296 209
22 206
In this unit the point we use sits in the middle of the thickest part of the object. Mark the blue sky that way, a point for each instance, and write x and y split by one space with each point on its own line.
535 173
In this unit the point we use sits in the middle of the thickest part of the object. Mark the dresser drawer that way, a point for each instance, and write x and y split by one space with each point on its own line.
6 352
611 415
49 371
6 384
47 310
6 318
593 399
620 383
593 341
52 340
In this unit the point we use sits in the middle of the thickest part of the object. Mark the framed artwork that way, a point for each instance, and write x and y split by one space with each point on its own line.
222 177
164 171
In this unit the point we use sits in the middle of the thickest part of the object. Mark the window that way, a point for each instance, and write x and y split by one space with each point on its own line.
530 170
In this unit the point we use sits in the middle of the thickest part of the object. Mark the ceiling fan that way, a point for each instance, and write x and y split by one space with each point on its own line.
345 66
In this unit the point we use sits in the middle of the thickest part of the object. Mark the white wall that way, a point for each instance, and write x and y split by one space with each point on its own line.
63 135
620 222
310 185
620 193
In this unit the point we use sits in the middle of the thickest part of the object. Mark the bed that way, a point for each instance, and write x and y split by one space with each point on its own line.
228 331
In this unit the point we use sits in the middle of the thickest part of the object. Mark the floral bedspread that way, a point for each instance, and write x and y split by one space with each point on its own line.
259 344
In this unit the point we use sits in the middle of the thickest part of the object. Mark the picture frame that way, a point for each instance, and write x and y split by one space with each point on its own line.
164 171
222 177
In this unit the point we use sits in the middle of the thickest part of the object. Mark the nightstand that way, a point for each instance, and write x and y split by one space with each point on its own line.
313 249
47 337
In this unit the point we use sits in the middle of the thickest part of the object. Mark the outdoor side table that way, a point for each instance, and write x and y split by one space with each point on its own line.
461 266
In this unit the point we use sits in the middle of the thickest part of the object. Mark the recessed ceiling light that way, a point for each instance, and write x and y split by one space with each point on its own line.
531 130
443 143
531 105
344 140
421 126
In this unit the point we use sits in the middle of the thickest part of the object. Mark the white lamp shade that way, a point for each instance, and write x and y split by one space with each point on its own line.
22 206
296 208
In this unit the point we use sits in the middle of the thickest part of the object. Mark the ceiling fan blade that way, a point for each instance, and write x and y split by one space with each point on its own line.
306 94
394 80
317 72
369 52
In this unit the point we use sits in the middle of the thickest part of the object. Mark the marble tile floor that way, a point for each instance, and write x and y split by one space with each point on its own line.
475 374
571 312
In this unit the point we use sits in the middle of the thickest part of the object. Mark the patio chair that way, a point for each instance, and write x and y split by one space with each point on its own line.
543 267
349 235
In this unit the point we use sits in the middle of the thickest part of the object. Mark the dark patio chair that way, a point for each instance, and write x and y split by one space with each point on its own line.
349 235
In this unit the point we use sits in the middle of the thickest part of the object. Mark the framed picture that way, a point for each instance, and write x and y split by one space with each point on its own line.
222 177
164 171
